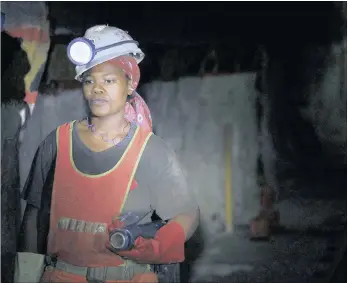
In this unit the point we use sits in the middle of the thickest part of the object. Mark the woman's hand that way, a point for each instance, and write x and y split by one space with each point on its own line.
166 247
189 222
143 251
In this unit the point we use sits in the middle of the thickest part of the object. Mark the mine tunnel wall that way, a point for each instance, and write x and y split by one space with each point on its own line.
328 104
307 119
190 115
59 66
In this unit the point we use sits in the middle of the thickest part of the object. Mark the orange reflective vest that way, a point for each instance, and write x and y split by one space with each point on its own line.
84 205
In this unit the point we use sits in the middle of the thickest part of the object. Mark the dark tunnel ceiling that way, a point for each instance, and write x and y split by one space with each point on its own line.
189 22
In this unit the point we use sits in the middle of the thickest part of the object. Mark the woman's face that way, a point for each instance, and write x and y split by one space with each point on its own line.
105 88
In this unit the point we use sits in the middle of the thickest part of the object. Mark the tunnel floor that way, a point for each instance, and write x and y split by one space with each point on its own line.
295 254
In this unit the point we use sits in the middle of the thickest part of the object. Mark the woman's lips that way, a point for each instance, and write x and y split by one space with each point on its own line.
98 101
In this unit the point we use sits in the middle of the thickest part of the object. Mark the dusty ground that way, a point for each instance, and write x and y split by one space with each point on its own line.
298 253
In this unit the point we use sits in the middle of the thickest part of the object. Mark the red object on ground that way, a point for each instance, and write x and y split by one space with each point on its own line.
268 218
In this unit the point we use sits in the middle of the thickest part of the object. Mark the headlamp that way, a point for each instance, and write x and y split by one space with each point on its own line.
81 50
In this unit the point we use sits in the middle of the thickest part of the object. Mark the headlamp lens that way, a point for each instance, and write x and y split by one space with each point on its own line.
80 52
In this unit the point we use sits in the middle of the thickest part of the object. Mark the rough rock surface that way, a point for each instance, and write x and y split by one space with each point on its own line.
328 105
190 115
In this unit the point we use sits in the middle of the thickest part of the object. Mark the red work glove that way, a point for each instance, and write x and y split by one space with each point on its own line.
166 247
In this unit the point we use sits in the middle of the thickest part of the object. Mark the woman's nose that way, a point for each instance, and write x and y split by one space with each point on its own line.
97 89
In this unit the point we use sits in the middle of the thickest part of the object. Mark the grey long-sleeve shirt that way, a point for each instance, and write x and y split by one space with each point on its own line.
161 183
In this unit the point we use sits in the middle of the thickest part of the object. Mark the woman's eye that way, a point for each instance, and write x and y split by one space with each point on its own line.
110 81
87 82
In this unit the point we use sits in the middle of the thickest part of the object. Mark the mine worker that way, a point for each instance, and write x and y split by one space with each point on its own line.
87 173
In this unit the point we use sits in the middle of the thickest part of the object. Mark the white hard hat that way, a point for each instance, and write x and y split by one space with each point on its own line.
100 44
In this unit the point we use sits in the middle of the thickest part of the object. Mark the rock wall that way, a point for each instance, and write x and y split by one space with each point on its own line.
328 104
190 115
59 66
10 212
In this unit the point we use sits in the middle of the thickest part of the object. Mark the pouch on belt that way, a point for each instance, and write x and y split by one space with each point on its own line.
29 267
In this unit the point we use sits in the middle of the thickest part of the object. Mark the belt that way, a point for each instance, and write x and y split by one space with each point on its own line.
102 274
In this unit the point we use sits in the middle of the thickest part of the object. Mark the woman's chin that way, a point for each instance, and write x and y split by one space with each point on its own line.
100 114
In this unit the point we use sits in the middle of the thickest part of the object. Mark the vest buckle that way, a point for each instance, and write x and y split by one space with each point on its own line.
51 260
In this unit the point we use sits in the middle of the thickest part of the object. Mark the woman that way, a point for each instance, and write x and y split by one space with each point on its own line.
89 172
